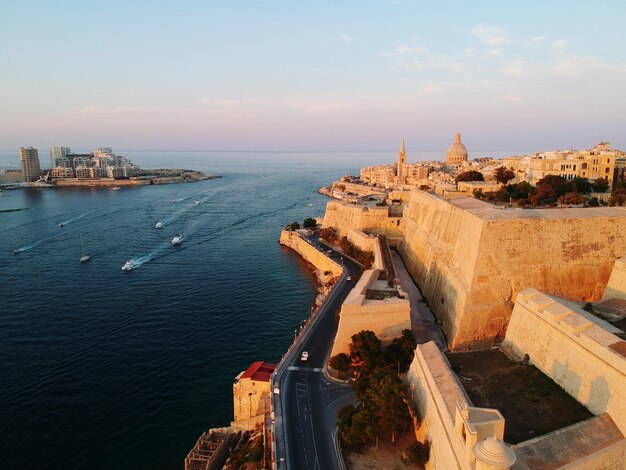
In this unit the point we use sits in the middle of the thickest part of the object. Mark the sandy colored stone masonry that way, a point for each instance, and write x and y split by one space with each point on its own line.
387 318
311 254
575 349
371 219
367 242
616 287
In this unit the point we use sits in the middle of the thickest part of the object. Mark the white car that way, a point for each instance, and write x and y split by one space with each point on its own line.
305 356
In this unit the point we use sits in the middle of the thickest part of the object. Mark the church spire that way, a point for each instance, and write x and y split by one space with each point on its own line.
402 146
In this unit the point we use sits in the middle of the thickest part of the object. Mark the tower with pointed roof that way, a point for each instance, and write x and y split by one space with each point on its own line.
401 172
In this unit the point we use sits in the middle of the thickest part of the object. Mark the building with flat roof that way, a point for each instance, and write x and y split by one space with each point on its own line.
57 156
29 159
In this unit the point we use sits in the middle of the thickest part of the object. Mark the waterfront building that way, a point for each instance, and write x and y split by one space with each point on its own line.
456 153
29 159
251 392
58 156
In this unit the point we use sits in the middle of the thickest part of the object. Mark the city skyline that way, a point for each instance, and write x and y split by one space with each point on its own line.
353 77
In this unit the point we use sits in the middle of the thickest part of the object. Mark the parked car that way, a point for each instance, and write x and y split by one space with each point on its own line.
349 278
305 356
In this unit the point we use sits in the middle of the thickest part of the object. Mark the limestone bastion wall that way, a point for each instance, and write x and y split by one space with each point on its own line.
371 219
435 391
616 287
574 349
471 259
318 259
365 242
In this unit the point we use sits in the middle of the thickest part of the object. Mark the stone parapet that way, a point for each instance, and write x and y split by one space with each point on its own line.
310 253
578 351
372 219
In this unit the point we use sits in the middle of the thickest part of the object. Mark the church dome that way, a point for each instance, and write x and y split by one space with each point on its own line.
494 453
457 152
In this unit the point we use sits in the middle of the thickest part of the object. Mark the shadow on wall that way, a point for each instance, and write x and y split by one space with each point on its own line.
599 396
567 379
437 290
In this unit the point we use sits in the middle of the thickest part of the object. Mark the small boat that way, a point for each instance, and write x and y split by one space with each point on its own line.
115 188
16 252
177 240
61 225
197 203
83 256
159 224
173 200
130 264
309 205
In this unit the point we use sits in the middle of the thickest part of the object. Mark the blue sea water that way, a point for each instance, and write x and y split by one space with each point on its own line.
101 368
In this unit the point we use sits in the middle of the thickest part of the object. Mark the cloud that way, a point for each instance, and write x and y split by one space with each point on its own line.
422 58
345 37
106 110
491 35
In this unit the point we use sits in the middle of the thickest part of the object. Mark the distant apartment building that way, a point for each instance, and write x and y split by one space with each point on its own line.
599 162
58 155
101 163
29 159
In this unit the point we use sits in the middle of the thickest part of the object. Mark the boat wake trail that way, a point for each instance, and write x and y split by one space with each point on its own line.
33 245
74 219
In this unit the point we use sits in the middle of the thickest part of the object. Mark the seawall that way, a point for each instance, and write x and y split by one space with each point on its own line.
311 254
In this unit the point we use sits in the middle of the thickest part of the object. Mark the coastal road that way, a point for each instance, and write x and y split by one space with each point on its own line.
309 399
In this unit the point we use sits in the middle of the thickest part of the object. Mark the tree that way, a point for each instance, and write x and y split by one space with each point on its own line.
419 453
385 397
583 186
340 362
470 175
504 175
309 223
558 183
520 190
601 185
618 197
293 226
357 426
542 193
328 234
366 349
572 198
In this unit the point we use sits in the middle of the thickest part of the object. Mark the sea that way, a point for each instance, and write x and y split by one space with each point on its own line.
106 369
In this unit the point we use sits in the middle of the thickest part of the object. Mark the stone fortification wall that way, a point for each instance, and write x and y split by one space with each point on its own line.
311 254
573 348
356 188
371 219
387 318
435 391
470 259
440 250
616 287
365 242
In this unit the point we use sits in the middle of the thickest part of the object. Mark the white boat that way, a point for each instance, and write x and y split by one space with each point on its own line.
17 252
197 203
130 264
309 205
159 224
115 188
61 225
177 240
83 256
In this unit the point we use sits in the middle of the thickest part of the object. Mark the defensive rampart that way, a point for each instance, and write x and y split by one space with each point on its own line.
371 219
311 254
470 259
575 349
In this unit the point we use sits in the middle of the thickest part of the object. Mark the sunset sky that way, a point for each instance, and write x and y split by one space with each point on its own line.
340 75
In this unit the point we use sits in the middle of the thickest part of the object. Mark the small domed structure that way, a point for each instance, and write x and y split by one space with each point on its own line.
493 454
456 153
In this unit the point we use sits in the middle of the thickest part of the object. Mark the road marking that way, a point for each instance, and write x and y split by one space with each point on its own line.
310 369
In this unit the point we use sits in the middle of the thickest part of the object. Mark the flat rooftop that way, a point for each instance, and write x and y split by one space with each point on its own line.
531 403
486 211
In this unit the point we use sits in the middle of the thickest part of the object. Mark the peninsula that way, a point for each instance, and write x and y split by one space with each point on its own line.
102 167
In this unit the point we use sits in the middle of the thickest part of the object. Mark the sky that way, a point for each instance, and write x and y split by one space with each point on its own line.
312 76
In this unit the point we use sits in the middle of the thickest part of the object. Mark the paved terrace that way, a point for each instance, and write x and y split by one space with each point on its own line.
487 211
